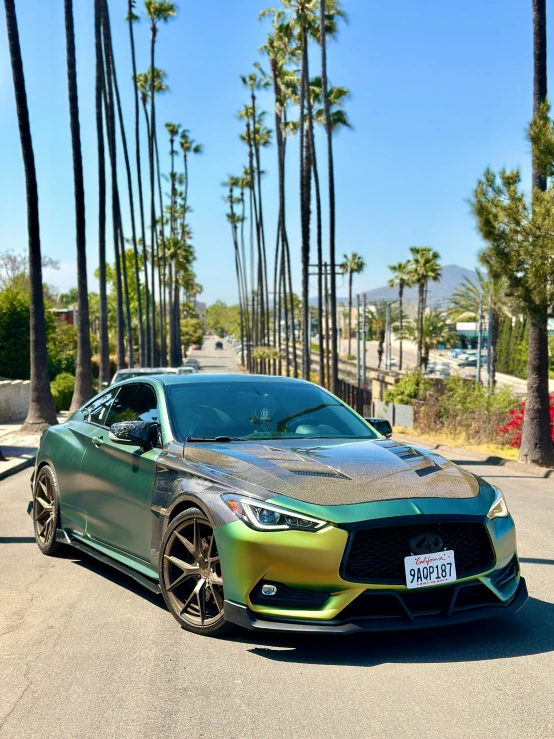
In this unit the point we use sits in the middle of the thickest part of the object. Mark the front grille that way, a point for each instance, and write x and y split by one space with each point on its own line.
377 554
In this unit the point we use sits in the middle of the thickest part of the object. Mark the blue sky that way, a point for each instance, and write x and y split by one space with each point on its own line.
440 90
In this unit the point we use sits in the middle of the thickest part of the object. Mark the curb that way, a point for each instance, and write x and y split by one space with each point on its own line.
532 469
14 469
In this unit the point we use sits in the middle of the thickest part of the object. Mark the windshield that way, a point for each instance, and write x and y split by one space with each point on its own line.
252 409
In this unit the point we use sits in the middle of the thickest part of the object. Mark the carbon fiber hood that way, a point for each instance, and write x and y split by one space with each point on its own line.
335 472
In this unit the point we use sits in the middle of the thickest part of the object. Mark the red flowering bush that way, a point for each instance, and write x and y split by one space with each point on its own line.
513 428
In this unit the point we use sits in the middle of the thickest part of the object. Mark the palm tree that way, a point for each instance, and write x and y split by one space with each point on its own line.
131 18
143 87
436 330
134 241
158 11
104 349
423 268
122 292
352 265
465 304
376 316
401 279
41 406
83 371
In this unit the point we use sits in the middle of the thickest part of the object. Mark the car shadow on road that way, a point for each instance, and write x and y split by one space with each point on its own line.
529 632
118 578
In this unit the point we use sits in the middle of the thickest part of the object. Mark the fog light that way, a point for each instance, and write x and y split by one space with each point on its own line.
269 589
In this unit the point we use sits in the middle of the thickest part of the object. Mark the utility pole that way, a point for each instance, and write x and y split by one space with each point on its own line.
479 338
489 345
387 337
364 335
358 357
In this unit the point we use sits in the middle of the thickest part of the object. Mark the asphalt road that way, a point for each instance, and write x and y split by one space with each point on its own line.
85 653
216 360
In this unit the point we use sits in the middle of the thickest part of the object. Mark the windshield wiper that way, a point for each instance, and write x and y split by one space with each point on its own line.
203 438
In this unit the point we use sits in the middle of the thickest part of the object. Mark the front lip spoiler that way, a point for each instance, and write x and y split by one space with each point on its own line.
245 617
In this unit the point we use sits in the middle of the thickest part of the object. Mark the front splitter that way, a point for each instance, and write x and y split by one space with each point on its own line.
248 619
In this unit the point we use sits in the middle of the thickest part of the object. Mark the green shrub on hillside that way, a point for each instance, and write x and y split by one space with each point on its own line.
413 386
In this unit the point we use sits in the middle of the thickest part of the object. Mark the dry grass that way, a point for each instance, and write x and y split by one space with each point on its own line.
458 440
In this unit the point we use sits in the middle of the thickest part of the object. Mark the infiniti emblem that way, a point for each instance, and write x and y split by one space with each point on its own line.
426 544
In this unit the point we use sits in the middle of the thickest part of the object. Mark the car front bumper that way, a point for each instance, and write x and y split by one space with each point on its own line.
243 616
313 595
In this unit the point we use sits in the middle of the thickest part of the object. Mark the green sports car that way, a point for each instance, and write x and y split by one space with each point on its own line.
268 503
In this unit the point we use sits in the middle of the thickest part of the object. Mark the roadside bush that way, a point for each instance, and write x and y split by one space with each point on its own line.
466 408
62 390
413 386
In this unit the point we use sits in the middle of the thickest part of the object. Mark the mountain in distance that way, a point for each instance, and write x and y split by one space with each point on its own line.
439 293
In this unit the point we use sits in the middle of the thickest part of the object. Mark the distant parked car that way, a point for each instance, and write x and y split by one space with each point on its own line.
197 346
219 345
129 374
193 363
188 369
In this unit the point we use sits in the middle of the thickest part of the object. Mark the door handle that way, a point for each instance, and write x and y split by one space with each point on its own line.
97 440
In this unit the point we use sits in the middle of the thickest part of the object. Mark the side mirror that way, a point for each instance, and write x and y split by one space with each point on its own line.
135 433
381 425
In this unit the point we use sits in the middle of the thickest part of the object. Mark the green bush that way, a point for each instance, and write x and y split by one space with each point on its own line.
14 333
62 391
413 386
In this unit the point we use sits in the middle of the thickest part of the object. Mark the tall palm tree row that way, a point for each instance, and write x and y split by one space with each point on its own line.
153 270
401 278
300 102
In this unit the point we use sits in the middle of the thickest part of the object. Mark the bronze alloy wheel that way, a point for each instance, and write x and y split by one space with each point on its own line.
190 574
45 510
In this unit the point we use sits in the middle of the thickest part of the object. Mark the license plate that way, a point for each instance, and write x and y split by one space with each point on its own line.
430 569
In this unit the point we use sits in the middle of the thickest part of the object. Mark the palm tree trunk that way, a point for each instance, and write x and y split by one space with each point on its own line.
305 180
113 74
261 231
104 348
319 263
116 213
153 346
401 320
163 271
331 171
420 311
83 371
151 138
536 443
146 340
350 277
41 406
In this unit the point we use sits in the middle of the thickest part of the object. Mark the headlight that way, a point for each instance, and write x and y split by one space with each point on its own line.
266 517
498 509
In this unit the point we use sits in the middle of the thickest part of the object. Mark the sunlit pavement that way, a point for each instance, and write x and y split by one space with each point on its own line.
85 653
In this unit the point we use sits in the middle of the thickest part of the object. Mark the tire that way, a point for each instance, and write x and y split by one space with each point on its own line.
46 511
190 574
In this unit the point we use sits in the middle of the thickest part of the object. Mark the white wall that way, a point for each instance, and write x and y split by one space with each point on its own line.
14 400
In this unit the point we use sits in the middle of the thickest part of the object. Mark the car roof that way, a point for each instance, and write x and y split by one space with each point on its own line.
223 377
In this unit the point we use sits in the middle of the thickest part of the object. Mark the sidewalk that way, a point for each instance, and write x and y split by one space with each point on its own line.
19 449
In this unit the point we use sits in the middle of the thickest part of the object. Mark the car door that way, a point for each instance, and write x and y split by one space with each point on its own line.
117 480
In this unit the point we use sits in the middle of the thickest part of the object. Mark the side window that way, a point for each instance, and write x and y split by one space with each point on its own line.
133 403
98 410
